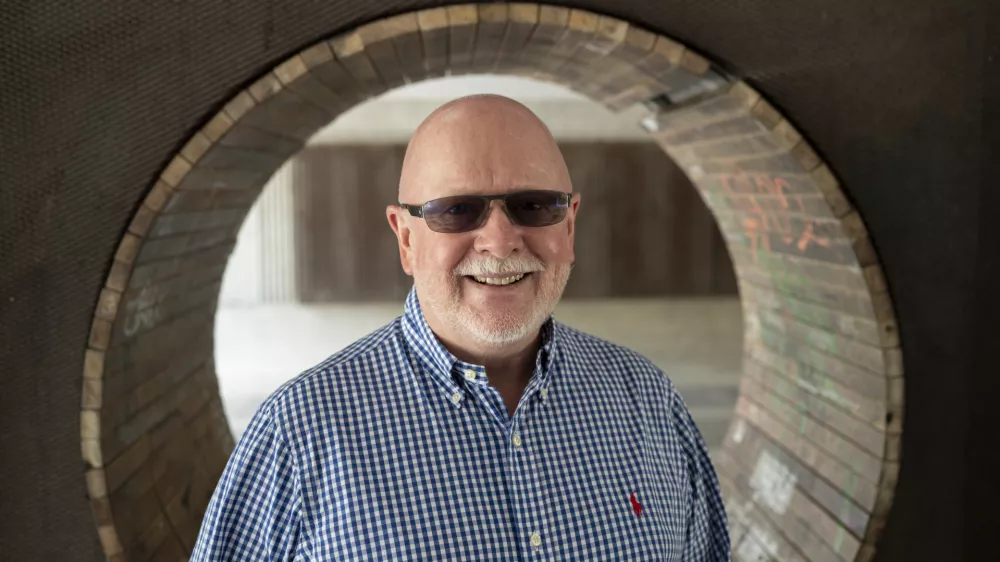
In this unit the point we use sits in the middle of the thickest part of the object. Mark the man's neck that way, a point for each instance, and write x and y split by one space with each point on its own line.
509 366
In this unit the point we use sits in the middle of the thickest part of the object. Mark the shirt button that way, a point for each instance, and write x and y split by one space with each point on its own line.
517 440
457 397
536 540
544 392
470 375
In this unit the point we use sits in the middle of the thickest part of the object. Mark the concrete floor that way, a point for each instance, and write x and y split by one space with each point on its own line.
697 342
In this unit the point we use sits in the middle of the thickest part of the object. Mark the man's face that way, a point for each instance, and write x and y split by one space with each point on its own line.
498 283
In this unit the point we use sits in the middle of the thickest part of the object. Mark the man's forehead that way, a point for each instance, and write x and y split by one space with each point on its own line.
481 145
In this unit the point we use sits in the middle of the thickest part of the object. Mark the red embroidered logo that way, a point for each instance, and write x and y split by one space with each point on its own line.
636 506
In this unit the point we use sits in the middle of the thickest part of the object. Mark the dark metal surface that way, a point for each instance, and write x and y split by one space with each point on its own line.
97 96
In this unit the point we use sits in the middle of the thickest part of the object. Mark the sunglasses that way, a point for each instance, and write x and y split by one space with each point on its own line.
463 213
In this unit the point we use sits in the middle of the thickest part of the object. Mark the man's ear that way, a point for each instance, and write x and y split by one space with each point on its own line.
399 222
574 206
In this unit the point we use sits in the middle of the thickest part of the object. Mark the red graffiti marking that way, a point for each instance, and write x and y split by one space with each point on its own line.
761 222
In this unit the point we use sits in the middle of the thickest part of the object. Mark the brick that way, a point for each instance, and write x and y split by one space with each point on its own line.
109 540
871 439
135 505
801 522
340 82
91 394
313 91
175 171
223 157
96 485
829 187
265 87
865 463
463 20
107 304
150 539
408 44
489 35
869 410
784 533
841 476
90 450
93 364
804 153
376 39
350 51
90 424
257 140
100 334
832 321
291 70
767 114
183 523
180 223
694 62
149 274
128 248
218 126
212 199
170 550
317 55
119 276
239 106
747 96
736 127
119 469
748 525
868 357
100 507
286 114
786 135
665 55
142 220
433 24
523 18
196 147
792 347
159 195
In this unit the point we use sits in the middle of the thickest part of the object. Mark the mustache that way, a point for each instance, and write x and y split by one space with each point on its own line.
493 265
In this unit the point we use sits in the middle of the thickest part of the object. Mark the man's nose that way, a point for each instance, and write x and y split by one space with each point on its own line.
498 235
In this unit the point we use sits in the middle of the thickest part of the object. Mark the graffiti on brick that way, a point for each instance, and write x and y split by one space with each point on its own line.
762 220
142 312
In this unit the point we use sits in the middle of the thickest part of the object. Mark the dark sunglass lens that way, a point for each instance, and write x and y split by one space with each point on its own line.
538 208
454 214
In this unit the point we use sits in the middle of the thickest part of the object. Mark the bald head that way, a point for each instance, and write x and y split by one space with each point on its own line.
481 144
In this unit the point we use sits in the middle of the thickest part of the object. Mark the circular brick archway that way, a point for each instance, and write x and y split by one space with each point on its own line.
810 462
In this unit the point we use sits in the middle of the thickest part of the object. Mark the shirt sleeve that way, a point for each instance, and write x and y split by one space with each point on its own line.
708 529
254 511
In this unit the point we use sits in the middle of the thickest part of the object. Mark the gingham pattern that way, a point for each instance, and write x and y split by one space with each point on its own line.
388 451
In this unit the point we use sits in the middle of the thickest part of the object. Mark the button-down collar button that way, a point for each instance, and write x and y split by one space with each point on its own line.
470 375
456 398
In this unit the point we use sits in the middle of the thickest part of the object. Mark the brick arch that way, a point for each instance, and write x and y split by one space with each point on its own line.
810 462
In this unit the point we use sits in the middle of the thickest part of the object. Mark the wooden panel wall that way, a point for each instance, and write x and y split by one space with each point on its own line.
643 230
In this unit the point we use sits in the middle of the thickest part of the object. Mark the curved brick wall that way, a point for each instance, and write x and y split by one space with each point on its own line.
810 462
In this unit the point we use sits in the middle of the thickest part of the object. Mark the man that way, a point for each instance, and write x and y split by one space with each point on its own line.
474 427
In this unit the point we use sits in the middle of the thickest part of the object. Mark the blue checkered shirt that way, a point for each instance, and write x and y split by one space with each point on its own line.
393 449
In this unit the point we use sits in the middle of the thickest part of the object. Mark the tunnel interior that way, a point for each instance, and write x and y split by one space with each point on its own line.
809 465
841 147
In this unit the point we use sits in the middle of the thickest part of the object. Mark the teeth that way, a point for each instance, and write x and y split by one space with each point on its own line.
499 280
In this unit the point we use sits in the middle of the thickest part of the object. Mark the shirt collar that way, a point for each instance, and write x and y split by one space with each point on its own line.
442 364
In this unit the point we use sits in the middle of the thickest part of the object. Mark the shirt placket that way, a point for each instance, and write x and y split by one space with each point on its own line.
528 498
